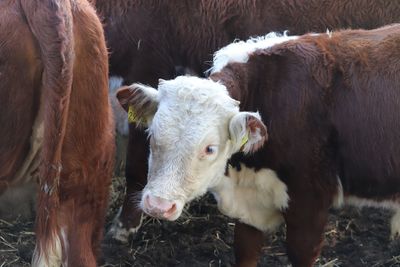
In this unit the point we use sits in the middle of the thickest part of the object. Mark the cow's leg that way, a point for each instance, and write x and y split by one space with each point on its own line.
82 215
78 227
305 219
395 224
247 243
129 217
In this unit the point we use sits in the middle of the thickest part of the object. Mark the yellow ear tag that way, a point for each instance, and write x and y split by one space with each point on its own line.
245 139
131 115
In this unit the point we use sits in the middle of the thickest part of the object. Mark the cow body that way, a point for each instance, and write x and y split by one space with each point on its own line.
319 114
57 128
148 39
329 105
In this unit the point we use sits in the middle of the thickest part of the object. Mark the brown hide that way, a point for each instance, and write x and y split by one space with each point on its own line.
53 58
149 38
330 104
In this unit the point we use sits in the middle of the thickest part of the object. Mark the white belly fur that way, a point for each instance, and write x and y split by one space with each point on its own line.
341 200
255 198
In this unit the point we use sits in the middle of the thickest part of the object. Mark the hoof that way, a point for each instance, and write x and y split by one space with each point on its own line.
120 233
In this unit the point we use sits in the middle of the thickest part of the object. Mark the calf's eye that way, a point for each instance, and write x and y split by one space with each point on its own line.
211 149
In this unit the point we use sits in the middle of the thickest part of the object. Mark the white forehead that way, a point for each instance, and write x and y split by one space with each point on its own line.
240 51
190 107
189 92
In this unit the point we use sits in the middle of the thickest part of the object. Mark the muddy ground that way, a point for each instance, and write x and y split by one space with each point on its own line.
203 237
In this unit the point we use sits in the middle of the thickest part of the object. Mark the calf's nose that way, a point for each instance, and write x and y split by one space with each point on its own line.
159 207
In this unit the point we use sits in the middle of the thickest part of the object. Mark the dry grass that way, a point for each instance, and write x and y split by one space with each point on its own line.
16 242
204 237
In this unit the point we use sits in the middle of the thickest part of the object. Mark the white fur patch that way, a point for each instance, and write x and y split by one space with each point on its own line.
339 198
240 51
64 239
122 234
255 198
120 115
190 91
395 224
51 253
362 202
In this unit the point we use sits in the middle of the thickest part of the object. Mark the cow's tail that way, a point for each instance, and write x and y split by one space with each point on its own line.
51 23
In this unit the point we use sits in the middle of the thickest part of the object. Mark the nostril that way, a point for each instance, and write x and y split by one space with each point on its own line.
173 208
170 211
157 204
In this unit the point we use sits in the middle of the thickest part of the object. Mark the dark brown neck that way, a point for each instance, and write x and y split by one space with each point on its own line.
234 77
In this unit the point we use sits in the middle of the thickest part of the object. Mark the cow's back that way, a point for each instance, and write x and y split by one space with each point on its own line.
162 35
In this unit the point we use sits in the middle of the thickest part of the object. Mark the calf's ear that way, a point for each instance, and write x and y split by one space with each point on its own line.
248 132
139 101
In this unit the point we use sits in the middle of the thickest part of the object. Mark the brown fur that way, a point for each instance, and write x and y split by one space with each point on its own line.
149 38
53 56
330 105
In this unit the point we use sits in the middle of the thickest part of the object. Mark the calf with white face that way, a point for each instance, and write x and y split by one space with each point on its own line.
319 108
194 127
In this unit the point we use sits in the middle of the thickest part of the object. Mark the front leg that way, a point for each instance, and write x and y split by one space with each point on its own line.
128 220
305 219
247 244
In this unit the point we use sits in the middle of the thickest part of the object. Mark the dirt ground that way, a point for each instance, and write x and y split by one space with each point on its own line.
204 237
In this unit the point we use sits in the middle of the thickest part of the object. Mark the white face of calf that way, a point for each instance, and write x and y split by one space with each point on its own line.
194 127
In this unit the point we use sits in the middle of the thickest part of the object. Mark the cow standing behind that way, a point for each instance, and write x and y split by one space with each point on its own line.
56 122
149 38
330 105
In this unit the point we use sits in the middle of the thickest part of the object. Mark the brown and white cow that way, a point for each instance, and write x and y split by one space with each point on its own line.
148 39
328 106
56 122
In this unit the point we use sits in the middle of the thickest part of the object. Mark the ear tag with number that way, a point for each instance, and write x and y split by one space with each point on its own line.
131 115
244 141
